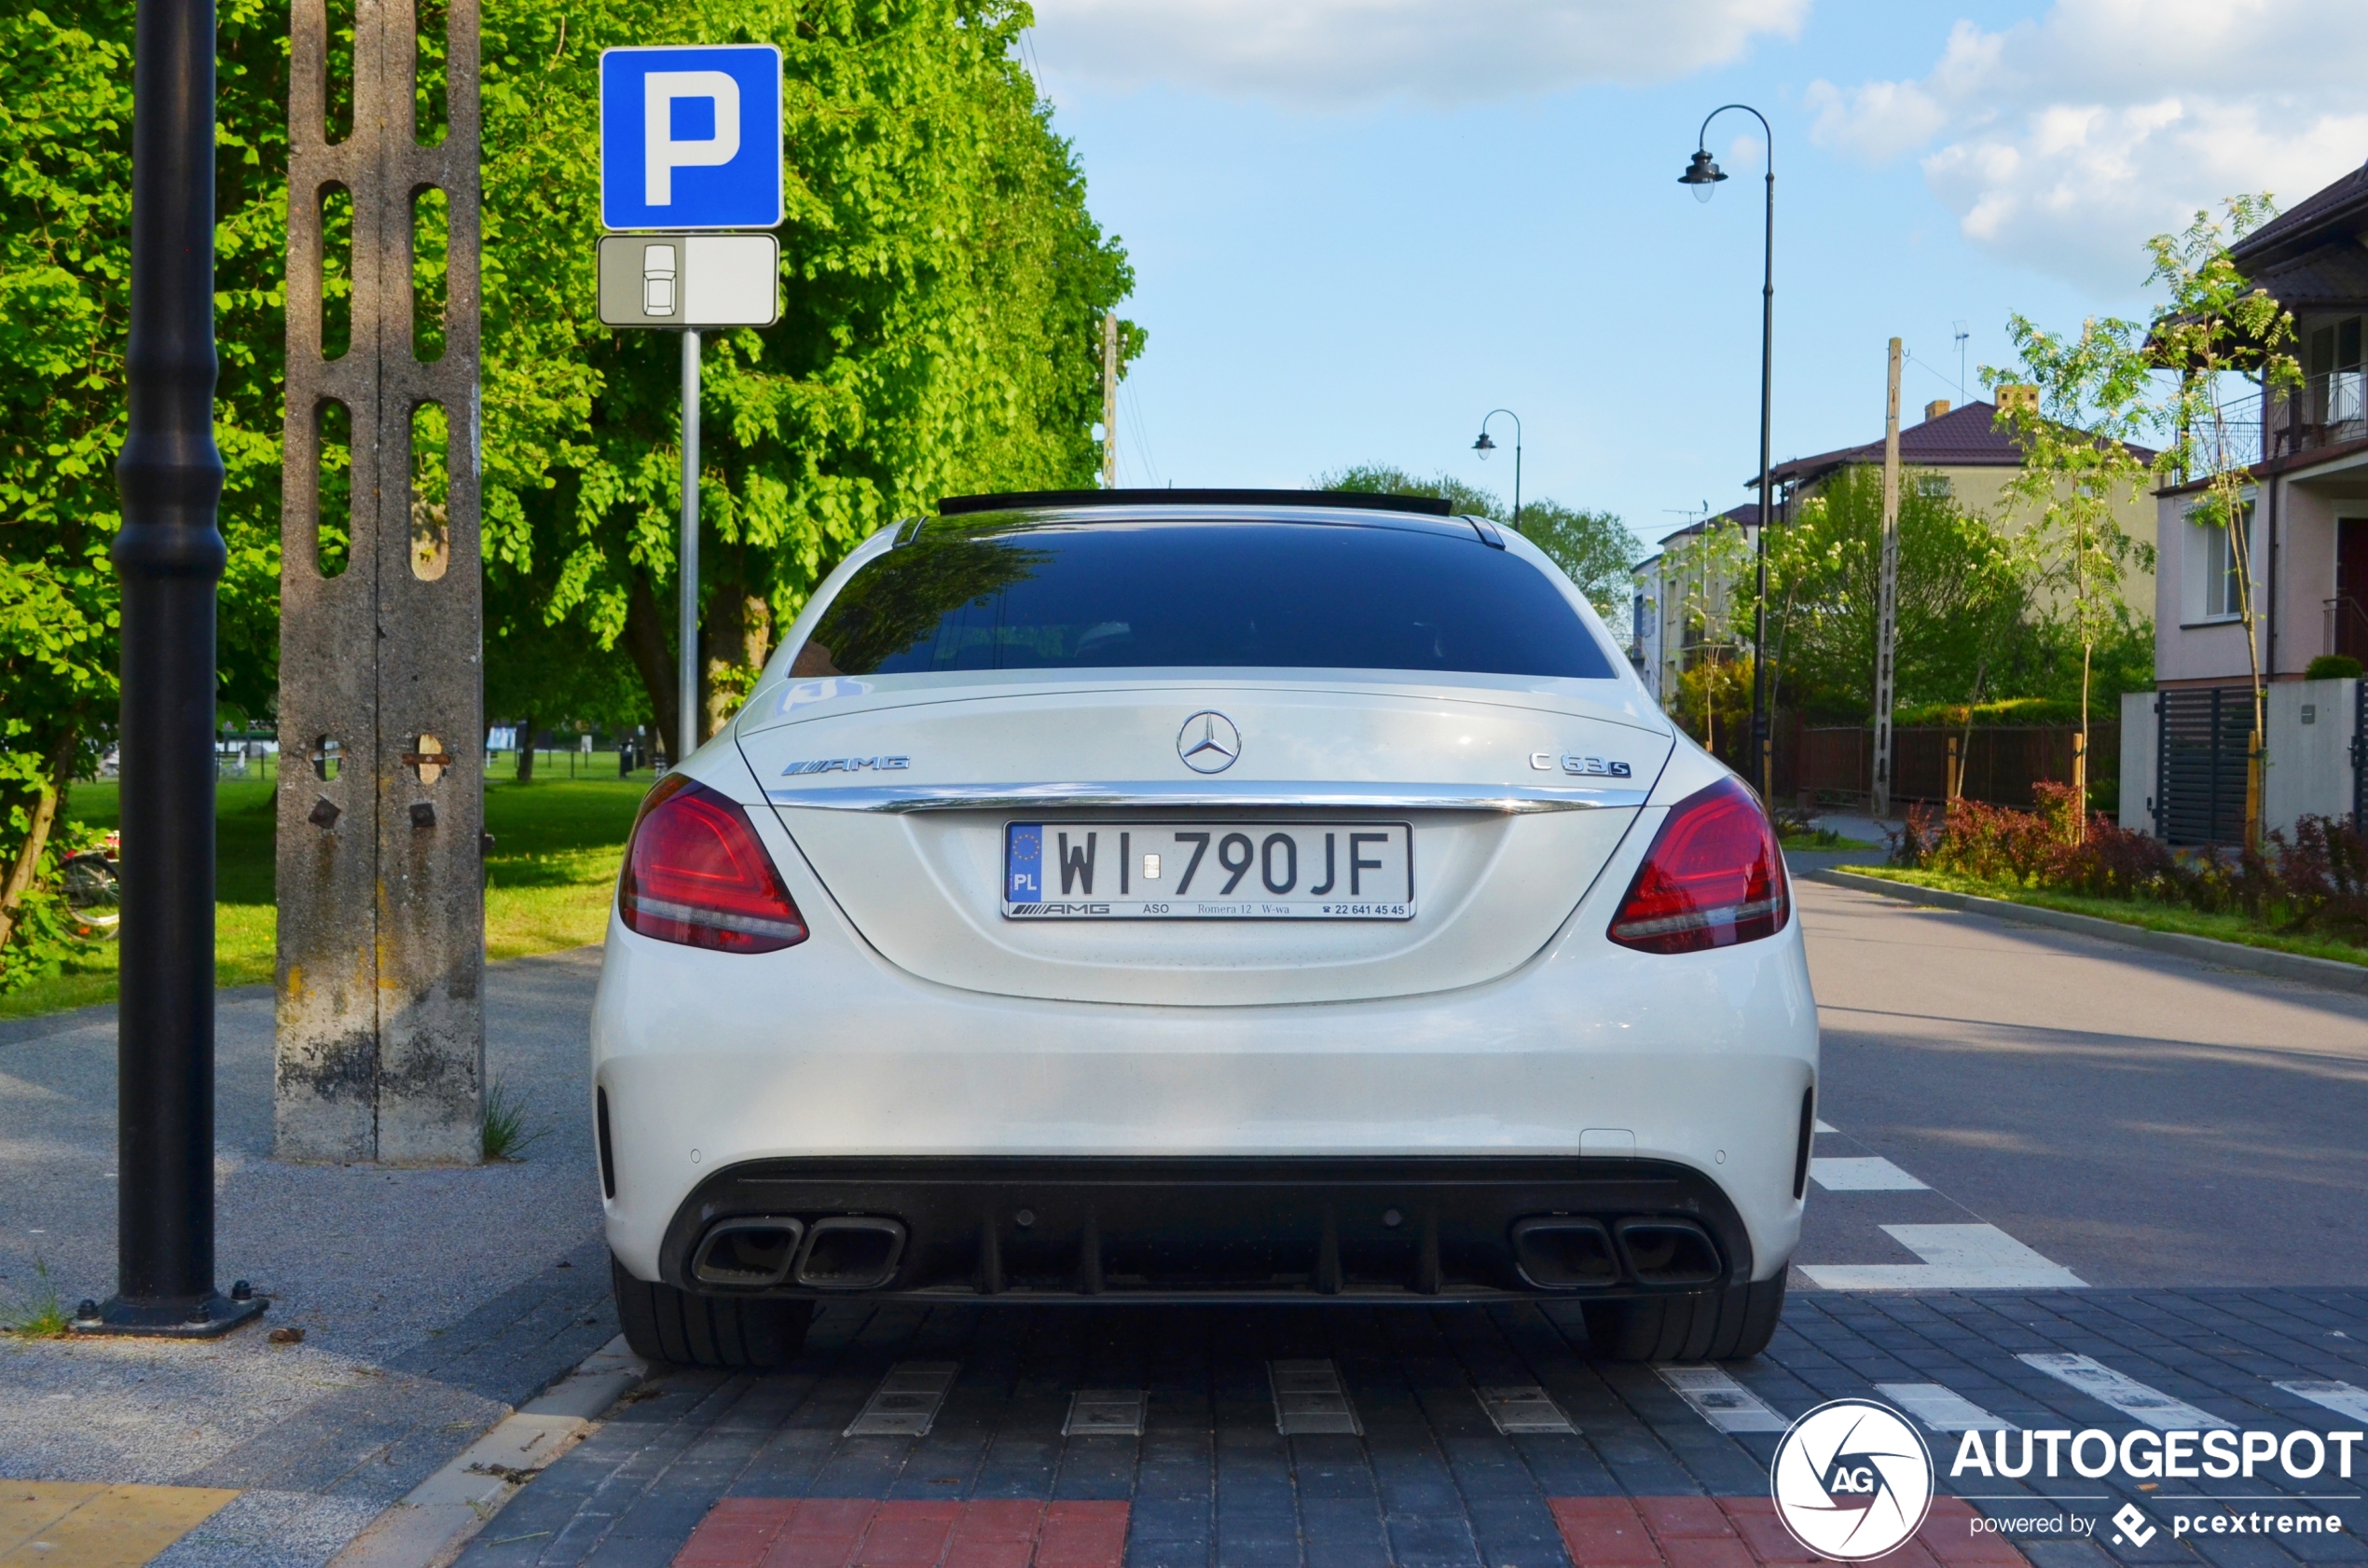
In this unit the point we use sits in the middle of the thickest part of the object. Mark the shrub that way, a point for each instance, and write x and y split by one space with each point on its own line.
2333 667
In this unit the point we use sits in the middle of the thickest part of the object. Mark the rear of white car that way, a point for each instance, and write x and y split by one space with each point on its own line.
1212 897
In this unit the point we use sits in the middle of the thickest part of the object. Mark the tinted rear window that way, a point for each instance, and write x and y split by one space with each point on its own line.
1214 594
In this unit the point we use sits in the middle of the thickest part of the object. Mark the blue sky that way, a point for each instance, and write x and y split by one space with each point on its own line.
1347 256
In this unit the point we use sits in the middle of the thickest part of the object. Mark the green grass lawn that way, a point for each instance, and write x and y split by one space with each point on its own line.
557 846
2130 911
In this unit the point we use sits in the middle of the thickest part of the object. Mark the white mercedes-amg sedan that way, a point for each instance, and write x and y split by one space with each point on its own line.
1202 897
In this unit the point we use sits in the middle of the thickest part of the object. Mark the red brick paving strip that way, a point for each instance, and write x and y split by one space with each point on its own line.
1745 1533
857 1533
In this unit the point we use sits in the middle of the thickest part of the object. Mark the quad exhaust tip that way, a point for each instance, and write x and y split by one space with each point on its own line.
851 1252
1668 1252
756 1251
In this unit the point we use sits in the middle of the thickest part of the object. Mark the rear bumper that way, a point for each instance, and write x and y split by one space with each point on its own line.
1206 1230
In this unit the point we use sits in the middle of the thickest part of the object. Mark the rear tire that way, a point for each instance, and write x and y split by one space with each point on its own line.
1730 1325
664 1324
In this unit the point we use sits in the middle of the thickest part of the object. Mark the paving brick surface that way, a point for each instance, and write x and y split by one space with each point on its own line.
711 1470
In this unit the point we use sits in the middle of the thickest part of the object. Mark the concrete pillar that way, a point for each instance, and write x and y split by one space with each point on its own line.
381 923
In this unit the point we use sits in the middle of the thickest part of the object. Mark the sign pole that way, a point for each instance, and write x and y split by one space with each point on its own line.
689 674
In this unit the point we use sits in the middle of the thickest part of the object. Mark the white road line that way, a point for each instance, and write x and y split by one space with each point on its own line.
2341 1398
1955 1257
906 1402
1524 1409
1720 1400
2124 1393
1870 1174
1825 1126
1105 1412
1310 1400
1941 1408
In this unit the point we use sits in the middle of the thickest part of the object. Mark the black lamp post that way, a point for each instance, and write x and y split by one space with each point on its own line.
169 557
1484 446
1704 174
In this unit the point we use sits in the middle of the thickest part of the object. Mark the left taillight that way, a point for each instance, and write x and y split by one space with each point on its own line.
696 873
1713 877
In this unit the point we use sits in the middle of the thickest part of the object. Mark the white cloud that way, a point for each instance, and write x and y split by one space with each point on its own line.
2064 142
1344 53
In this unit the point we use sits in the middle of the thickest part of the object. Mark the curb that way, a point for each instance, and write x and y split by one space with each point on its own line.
2324 972
440 1516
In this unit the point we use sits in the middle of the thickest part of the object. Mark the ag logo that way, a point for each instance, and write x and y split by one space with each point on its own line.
1851 1479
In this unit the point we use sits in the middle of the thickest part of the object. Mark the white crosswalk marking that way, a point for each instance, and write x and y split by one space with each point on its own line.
1871 1174
2341 1398
1825 1126
1523 1409
1720 1400
1309 1399
1955 1257
1941 1408
905 1403
2124 1393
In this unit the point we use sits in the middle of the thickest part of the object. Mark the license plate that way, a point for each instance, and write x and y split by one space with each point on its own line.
1208 871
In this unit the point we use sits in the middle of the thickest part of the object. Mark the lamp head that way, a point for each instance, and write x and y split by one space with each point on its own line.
1703 175
1483 446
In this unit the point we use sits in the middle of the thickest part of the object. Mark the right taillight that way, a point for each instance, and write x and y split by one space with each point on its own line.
1713 877
696 873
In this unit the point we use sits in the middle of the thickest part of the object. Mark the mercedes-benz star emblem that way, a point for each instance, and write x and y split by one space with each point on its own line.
1208 743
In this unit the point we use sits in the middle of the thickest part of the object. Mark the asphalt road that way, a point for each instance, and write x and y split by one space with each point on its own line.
2138 1120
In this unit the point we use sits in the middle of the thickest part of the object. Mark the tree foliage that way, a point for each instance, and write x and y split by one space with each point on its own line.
1959 596
944 284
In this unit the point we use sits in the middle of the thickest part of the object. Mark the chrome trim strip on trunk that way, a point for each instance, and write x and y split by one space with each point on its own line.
1511 800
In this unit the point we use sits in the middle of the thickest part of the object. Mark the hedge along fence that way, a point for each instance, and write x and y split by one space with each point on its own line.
1826 764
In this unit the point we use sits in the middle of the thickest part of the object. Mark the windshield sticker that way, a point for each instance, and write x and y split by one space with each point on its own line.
805 693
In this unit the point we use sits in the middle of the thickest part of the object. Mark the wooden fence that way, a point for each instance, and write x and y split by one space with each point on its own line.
1834 765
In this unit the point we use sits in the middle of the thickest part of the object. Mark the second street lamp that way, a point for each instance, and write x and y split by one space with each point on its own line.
1704 174
1484 446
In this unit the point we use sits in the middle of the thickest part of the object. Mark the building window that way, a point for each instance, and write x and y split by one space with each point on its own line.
1934 487
2334 395
2219 568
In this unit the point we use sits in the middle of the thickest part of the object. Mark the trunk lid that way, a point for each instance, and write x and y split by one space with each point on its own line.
899 792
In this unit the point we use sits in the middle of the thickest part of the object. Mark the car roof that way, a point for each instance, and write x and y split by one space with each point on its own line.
1032 501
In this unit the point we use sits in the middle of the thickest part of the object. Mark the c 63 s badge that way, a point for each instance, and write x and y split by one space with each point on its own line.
1588 767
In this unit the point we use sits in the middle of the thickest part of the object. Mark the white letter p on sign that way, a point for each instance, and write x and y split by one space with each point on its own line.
664 154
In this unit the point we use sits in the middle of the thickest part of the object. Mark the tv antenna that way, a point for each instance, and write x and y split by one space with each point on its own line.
1961 335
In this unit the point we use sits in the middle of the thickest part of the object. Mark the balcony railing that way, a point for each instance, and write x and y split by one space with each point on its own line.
2332 410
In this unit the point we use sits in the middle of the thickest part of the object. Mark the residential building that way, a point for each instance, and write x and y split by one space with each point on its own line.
1679 605
1962 454
2304 460
2307 484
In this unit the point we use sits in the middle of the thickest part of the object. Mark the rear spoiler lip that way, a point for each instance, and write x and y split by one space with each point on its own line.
1501 799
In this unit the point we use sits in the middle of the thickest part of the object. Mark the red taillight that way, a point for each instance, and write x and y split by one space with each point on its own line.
1713 877
696 874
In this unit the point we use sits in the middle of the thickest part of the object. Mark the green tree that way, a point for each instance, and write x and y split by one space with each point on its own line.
1959 596
66 180
944 285
2216 328
2078 469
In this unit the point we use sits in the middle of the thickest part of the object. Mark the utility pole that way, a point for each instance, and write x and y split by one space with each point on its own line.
169 557
382 799
687 635
1887 593
1109 400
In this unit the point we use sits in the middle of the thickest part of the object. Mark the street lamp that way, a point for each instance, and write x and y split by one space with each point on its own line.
1703 176
1484 446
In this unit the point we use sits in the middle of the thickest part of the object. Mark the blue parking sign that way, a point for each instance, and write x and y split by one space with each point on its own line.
691 137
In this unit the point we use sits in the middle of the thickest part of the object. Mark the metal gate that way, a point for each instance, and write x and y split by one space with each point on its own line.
2200 737
2358 753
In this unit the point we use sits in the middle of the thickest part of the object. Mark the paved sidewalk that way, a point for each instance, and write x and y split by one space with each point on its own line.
431 1301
